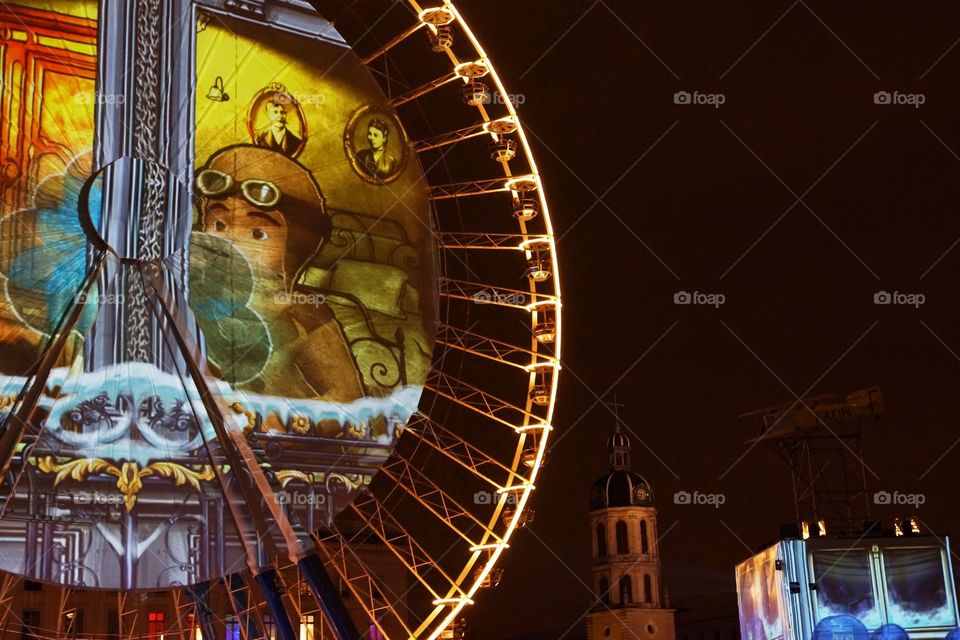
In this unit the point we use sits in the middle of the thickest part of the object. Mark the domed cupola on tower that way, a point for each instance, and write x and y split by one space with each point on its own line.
622 487
631 600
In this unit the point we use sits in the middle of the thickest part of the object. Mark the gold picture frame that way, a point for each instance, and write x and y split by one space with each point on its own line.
263 124
380 159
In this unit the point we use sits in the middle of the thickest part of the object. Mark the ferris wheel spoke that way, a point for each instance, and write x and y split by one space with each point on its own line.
396 40
464 72
469 457
433 18
424 89
490 128
391 532
491 348
487 294
472 188
483 403
437 501
487 241
358 578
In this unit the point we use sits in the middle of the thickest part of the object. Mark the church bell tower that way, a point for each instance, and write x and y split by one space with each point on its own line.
631 600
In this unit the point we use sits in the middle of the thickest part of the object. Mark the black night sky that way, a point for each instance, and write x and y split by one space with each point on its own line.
798 199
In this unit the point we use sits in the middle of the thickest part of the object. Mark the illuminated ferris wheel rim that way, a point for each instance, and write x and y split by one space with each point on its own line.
438 19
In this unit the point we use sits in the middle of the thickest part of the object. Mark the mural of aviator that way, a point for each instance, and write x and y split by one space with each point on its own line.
271 210
304 278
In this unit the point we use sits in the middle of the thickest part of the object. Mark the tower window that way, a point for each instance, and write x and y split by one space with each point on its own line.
626 590
604 588
647 588
644 542
601 541
623 542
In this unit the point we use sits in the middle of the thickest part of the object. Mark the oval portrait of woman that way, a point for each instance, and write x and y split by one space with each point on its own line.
376 144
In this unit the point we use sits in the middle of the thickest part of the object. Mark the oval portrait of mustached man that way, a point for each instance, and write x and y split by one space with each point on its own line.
376 144
277 122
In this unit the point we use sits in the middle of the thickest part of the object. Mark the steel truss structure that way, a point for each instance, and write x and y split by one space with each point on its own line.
444 508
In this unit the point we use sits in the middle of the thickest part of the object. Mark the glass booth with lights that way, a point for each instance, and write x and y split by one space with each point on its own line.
869 588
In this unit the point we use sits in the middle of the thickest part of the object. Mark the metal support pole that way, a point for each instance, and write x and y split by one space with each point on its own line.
326 595
267 581
15 424
237 461
248 622
203 612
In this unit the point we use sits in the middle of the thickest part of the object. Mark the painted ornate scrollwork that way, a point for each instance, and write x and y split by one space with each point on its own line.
129 474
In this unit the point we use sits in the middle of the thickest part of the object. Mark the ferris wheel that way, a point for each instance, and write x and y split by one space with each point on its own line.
280 322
